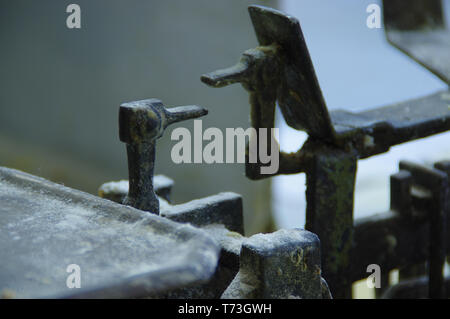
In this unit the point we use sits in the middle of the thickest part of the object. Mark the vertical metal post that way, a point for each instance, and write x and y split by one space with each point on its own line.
437 244
401 202
141 194
444 166
436 182
330 190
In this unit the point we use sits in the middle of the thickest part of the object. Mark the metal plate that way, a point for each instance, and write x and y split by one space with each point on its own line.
300 97
121 251
418 28
429 48
375 131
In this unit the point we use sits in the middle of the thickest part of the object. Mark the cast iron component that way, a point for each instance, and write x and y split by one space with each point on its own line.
418 28
141 123
118 191
284 264
220 216
415 288
413 232
280 70
122 252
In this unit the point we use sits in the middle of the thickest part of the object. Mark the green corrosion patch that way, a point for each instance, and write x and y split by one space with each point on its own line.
334 189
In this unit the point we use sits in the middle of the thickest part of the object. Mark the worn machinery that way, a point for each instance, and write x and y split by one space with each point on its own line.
132 242
280 71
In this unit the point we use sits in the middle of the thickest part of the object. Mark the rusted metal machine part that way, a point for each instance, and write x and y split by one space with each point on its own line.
256 71
141 123
122 252
444 166
416 288
330 182
418 29
336 140
401 202
284 264
374 131
413 15
436 182
221 217
127 253
279 70
221 209
413 232
117 191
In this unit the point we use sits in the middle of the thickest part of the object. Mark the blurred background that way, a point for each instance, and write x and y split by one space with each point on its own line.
61 89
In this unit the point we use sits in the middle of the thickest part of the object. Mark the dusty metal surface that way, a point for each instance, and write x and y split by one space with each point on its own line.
220 216
125 252
122 252
284 264
117 191
418 29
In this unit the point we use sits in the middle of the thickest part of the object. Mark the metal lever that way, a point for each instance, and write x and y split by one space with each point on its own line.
141 123
257 71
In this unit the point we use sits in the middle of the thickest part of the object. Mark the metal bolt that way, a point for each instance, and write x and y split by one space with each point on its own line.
141 123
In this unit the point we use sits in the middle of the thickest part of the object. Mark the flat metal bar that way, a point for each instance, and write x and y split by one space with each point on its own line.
300 97
388 240
444 166
413 14
391 241
400 184
416 288
375 131
417 28
429 48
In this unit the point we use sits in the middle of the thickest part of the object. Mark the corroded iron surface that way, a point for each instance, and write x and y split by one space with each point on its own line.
121 251
141 123
283 264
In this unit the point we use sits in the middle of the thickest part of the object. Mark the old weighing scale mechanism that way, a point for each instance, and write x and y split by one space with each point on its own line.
197 249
